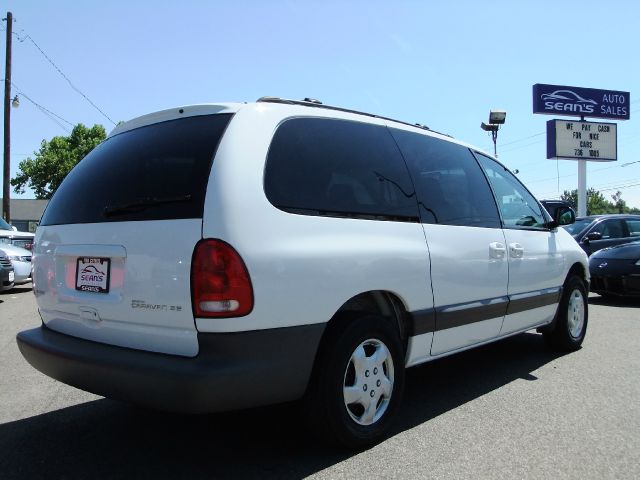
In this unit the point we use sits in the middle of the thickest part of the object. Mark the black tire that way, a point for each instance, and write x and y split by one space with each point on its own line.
377 383
570 324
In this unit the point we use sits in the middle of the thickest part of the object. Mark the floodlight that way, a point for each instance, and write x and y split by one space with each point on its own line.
497 117
488 128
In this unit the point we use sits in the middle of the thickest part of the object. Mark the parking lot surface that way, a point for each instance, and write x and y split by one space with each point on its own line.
508 410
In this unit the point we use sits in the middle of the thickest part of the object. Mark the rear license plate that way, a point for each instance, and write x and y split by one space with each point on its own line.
92 274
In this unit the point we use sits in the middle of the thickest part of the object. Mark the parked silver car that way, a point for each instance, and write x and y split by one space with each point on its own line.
6 273
9 234
21 260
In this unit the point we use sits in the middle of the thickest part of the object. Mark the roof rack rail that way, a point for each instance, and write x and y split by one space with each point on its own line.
312 102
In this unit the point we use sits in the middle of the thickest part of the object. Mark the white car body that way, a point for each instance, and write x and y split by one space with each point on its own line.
17 238
452 287
21 261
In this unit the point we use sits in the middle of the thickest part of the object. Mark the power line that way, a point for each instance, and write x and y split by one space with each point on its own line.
523 139
619 187
52 116
518 147
28 37
573 174
606 187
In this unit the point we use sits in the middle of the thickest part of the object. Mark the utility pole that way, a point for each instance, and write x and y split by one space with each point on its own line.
6 199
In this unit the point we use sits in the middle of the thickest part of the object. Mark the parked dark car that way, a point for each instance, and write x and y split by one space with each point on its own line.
7 275
596 232
616 270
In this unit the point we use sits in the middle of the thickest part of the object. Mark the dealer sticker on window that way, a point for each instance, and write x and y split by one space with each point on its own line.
92 274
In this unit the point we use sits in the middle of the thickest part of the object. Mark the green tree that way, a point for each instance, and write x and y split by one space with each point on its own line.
571 197
596 202
621 205
55 159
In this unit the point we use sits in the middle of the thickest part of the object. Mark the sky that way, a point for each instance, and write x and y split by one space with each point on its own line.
441 64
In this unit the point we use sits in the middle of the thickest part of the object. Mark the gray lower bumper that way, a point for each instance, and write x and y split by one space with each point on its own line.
232 370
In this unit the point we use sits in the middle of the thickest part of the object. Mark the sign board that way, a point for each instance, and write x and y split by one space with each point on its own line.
579 102
582 140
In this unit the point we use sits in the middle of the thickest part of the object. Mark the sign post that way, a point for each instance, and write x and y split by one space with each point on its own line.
580 140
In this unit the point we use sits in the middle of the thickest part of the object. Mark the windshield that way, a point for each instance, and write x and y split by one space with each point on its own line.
157 172
579 225
4 225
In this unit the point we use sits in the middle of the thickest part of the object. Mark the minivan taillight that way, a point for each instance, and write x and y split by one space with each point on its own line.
220 283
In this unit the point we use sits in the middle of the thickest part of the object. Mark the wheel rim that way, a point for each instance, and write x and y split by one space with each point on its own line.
575 313
368 382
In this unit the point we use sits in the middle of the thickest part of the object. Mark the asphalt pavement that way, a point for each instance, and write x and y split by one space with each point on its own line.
507 410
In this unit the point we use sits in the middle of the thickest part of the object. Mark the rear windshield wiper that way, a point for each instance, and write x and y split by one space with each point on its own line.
142 204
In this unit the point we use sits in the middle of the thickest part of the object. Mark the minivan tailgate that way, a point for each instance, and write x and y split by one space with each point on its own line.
119 284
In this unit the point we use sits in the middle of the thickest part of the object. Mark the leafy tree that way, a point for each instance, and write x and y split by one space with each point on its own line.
570 197
621 205
55 159
597 203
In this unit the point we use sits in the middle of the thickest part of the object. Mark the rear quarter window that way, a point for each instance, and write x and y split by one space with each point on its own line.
634 228
338 168
156 172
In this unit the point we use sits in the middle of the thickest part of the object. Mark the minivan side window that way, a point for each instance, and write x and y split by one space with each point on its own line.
452 190
518 207
338 168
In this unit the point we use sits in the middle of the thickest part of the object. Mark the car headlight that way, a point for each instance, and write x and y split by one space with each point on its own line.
638 262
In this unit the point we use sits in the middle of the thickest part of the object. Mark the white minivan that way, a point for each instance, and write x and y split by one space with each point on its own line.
226 256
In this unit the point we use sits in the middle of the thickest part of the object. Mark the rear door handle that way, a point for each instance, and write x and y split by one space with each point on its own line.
516 250
497 250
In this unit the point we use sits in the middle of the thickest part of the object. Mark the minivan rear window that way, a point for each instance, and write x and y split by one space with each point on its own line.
157 172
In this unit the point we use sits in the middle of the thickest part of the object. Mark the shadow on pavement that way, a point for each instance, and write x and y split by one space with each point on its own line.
613 301
19 289
107 439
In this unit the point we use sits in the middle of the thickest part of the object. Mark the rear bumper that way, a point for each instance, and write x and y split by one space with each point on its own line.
23 272
232 370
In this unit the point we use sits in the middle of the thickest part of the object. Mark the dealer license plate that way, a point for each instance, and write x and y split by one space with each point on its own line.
92 274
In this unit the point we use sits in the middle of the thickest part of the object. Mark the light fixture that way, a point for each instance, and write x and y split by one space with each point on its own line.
489 128
497 117
15 103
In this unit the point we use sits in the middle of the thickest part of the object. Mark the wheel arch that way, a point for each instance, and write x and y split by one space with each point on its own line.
378 302
383 303
579 270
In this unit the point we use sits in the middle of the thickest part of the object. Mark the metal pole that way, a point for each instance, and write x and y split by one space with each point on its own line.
582 188
6 197
494 134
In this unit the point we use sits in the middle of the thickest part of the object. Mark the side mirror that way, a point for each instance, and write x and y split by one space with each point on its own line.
594 236
565 216
562 216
